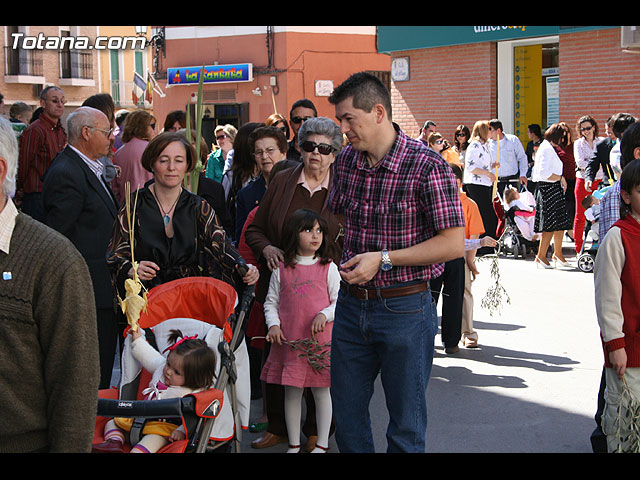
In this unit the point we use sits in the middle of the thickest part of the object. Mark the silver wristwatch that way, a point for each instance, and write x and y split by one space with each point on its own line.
386 264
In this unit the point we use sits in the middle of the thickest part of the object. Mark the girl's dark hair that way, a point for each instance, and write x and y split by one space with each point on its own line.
295 223
198 360
629 179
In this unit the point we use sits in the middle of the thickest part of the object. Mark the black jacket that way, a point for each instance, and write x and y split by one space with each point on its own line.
83 208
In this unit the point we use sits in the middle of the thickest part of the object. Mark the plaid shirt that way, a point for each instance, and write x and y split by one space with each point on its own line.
39 145
405 200
609 210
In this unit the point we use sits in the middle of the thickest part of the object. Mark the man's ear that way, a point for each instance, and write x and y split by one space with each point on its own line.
636 152
4 168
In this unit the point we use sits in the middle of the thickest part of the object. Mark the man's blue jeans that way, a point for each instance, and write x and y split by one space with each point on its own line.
392 337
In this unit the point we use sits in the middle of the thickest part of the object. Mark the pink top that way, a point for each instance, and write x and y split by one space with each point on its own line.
128 158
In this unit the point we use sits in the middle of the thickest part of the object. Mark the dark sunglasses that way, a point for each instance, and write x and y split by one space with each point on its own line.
323 148
299 119
461 134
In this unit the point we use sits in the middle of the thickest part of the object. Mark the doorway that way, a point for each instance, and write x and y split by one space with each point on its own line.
236 114
527 84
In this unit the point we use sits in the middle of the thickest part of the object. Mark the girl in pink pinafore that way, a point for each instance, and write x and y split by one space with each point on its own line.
300 305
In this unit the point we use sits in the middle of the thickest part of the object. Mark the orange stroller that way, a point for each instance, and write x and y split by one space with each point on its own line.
212 419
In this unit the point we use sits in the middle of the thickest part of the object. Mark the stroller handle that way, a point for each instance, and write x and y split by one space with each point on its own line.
170 407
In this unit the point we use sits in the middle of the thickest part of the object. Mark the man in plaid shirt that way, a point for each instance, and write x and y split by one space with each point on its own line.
403 220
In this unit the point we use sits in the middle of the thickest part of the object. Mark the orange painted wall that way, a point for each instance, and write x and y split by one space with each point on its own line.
299 59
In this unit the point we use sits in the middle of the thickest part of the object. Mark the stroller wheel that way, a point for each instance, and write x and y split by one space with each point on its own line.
585 263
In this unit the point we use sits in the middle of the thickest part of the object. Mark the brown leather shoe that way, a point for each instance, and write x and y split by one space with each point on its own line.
110 446
267 440
311 443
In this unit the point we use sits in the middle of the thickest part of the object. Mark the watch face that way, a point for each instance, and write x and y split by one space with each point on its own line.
386 267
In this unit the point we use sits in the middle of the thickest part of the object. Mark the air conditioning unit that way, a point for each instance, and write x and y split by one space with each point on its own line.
630 37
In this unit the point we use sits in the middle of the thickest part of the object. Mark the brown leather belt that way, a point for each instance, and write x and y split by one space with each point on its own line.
362 293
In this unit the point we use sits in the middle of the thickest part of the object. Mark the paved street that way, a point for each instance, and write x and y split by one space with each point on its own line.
532 384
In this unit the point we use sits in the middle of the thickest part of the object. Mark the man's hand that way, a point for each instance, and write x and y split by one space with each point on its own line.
361 268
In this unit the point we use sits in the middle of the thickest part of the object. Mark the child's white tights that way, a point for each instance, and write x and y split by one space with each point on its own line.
293 414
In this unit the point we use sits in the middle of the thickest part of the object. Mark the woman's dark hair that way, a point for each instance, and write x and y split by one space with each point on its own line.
592 121
179 116
137 125
464 129
243 164
629 180
302 219
555 133
276 118
160 142
198 360
269 132
104 103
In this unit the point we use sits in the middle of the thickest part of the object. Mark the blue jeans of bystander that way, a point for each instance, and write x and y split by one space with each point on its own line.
393 337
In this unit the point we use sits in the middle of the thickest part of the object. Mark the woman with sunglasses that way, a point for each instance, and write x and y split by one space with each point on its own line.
583 150
139 130
305 186
461 139
219 160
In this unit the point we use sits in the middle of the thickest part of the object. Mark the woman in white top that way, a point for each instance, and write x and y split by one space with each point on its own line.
479 175
552 216
583 149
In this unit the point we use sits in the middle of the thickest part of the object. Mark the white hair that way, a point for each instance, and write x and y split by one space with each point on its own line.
9 151
83 116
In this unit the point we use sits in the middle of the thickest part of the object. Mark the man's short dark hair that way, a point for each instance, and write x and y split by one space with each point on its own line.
496 124
306 103
620 122
366 90
629 142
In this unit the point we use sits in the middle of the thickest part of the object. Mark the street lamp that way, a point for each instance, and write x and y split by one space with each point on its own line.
157 41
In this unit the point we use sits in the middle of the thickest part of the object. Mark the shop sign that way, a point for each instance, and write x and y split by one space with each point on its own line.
239 72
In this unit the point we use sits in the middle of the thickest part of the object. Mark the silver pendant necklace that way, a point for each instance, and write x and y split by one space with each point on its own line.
165 214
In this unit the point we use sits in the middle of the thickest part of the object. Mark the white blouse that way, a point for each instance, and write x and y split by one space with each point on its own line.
582 153
477 155
547 163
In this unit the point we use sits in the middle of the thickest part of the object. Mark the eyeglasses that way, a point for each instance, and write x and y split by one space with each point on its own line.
106 132
221 137
56 101
439 142
269 151
323 148
583 129
461 134
299 119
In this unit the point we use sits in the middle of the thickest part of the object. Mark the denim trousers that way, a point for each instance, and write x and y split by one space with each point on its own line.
394 338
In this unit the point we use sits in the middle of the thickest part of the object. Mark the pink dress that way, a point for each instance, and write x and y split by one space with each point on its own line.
303 294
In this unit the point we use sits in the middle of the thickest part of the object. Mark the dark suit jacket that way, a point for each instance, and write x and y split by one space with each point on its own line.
83 208
600 158
247 199
213 193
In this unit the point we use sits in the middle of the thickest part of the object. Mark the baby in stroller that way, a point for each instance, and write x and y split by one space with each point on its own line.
523 206
591 205
190 367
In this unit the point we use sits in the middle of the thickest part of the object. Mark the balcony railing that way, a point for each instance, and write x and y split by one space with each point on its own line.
76 65
23 62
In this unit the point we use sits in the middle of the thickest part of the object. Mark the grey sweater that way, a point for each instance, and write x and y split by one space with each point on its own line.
49 366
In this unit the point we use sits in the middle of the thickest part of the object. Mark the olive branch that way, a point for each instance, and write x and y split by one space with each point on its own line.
496 294
316 353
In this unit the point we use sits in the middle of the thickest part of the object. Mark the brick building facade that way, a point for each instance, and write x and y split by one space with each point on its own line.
462 82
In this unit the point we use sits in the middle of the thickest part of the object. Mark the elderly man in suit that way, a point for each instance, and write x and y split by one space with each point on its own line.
81 206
